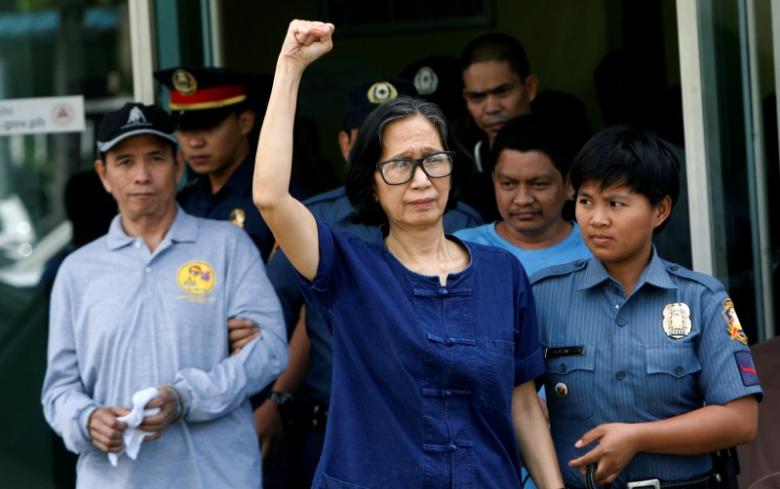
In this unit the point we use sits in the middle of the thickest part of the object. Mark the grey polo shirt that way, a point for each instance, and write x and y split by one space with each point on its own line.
123 319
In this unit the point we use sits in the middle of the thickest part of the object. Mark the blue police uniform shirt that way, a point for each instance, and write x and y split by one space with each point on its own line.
669 348
423 373
233 202
571 248
334 208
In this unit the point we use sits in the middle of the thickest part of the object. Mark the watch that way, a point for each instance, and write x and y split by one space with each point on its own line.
280 398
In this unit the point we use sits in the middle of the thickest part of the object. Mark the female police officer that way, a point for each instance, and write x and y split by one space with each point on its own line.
648 368
432 368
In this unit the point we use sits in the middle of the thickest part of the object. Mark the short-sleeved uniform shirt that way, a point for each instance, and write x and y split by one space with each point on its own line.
423 374
233 202
672 346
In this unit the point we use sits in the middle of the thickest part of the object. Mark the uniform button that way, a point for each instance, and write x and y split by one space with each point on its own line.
617 306
620 375
137 243
678 370
442 291
148 270
621 323
447 392
562 368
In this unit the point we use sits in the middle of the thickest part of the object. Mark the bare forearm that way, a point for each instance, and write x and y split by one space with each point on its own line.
273 162
701 431
298 362
533 436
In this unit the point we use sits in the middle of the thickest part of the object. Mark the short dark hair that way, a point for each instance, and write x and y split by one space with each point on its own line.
532 132
496 46
623 155
367 150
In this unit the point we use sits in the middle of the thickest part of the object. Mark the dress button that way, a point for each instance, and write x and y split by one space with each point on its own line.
447 392
621 323
562 367
148 269
442 291
617 306
678 370
137 243
620 375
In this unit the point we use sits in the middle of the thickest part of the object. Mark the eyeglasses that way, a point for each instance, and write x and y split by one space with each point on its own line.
399 171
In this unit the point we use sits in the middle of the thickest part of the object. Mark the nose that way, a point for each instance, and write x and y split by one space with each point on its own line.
193 139
599 217
523 196
141 174
419 178
492 104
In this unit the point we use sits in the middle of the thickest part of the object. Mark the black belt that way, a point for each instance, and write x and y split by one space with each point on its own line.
704 482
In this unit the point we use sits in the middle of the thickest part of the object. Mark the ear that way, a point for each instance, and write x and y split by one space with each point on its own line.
100 168
568 188
531 86
246 121
344 144
662 210
179 160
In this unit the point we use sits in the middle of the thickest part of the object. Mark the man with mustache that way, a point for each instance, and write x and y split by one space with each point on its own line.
497 86
531 189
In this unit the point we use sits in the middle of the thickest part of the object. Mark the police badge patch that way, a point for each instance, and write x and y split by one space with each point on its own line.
238 217
732 321
677 320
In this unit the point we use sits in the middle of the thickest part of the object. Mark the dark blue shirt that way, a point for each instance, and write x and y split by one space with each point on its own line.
333 207
423 374
233 202
670 347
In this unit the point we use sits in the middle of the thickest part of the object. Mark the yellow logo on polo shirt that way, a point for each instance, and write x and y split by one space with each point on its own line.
196 278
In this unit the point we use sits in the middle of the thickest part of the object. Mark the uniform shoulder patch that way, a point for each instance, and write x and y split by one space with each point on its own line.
711 283
558 270
747 369
734 330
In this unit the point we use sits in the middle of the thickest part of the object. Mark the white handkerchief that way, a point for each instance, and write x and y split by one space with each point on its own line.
133 437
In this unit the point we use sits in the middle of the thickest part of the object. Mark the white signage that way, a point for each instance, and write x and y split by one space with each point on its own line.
41 115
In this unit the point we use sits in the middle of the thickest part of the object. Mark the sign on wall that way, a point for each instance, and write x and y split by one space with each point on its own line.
41 115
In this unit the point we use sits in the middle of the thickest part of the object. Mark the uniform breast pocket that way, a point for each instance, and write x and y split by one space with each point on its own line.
496 372
569 386
672 376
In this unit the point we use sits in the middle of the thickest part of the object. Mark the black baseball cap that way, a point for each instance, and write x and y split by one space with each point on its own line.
134 119
364 98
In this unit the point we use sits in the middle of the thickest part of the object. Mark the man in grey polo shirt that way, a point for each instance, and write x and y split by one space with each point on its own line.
147 306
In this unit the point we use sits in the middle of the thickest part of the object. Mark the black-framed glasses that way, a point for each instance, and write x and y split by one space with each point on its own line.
401 170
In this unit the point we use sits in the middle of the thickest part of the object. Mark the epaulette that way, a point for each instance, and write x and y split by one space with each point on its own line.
558 270
680 271
334 194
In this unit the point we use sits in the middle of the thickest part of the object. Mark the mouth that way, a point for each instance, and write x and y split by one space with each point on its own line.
495 126
198 159
600 239
421 203
524 215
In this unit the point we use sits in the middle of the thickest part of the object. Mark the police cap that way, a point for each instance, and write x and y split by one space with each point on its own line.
203 97
364 98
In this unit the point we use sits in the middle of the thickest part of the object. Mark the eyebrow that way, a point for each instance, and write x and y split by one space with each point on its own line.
498 88
404 155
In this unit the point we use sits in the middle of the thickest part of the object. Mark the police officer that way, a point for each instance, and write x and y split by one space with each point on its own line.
214 110
648 369
333 207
